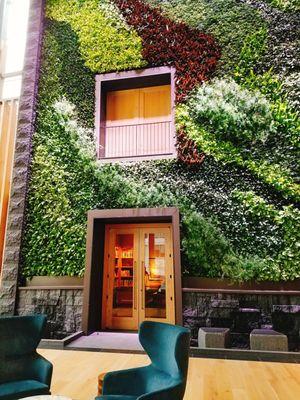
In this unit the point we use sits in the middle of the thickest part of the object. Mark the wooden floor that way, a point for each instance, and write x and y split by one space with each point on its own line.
75 375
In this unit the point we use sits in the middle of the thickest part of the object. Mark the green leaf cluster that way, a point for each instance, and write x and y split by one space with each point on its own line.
106 43
63 70
287 264
62 188
240 126
232 113
238 216
285 5
229 21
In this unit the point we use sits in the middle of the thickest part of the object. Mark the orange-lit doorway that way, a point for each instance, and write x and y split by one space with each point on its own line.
138 276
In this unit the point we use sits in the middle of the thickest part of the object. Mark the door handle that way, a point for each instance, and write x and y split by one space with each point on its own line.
143 285
134 289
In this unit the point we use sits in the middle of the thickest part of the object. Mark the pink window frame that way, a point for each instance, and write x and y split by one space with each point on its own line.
131 80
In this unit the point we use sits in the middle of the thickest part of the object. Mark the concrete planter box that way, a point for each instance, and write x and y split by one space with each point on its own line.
59 343
226 285
54 282
268 340
213 338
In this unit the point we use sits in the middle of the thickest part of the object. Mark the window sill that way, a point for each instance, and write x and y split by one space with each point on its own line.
131 159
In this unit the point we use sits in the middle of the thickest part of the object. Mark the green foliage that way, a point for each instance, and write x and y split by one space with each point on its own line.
255 204
229 21
63 71
219 119
253 49
290 86
106 43
285 5
224 151
192 12
232 113
285 120
287 264
62 189
208 187
206 251
267 83
238 219
284 145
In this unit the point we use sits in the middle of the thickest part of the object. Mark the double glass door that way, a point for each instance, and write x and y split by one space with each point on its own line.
139 282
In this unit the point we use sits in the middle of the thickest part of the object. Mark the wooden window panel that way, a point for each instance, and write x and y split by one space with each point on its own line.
149 130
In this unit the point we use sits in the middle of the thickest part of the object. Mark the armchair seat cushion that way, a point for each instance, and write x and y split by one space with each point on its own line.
18 389
165 378
116 397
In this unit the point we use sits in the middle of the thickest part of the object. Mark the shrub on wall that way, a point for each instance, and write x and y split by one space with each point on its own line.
273 174
62 187
165 42
206 250
106 43
282 43
286 5
233 113
229 21
63 71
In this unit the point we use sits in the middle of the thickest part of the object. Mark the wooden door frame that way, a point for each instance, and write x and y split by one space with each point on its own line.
169 273
136 229
95 240
108 249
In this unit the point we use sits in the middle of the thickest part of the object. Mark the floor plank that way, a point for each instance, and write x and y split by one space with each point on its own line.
75 375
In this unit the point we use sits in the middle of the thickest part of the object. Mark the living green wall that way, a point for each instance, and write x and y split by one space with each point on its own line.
238 203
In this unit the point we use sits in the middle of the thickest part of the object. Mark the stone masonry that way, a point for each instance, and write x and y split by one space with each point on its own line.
26 117
242 312
63 308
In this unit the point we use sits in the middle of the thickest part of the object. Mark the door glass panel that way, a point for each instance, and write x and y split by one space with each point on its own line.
155 275
123 276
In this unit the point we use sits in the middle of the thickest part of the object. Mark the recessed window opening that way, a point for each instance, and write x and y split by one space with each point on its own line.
135 114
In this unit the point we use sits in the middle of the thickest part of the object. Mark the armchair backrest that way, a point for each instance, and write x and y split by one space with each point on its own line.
19 338
167 346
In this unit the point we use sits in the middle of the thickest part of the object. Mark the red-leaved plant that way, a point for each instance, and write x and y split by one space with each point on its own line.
187 150
165 42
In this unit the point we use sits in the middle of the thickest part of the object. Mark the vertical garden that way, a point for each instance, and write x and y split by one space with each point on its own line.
236 179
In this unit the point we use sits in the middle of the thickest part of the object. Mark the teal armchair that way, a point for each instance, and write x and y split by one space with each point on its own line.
23 372
165 378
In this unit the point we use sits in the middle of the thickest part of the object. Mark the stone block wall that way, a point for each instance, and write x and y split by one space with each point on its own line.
242 312
63 308
22 156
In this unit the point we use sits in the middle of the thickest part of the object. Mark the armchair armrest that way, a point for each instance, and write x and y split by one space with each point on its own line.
126 382
42 369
